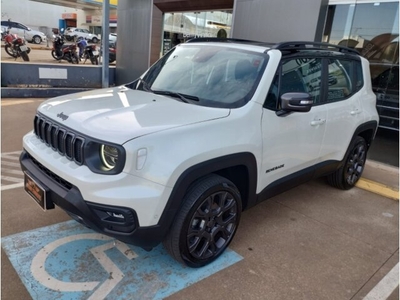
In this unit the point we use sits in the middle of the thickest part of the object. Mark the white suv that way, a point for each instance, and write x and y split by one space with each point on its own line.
212 128
74 33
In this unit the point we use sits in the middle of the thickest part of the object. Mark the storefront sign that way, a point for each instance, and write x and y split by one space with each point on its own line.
68 16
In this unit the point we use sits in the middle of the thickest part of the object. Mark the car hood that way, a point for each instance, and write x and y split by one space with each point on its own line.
120 114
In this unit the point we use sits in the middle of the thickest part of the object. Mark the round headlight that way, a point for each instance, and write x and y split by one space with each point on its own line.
109 156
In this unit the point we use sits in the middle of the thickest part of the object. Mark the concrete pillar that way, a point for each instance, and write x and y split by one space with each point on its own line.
279 20
134 39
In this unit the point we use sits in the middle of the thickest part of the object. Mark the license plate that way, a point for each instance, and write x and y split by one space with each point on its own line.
36 191
23 48
95 52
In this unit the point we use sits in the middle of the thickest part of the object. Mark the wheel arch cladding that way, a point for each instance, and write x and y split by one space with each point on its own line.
366 131
240 168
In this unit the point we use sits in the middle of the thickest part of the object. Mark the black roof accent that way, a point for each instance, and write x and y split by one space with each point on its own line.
229 40
297 46
293 46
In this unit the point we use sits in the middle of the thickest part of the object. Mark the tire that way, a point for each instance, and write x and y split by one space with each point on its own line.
25 56
350 172
68 38
206 222
53 53
9 51
94 60
95 40
75 58
36 39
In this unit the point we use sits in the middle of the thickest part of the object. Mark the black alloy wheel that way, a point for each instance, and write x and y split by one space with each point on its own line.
355 163
212 225
350 172
206 223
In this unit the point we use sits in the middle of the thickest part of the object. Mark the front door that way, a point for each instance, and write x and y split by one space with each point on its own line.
292 143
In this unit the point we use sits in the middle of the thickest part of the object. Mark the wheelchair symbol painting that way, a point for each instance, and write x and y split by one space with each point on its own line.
69 261
115 274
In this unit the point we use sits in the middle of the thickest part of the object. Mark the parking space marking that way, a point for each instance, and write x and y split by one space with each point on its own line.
70 261
11 174
378 188
386 286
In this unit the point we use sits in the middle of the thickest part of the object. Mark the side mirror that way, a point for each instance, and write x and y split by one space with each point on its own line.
295 102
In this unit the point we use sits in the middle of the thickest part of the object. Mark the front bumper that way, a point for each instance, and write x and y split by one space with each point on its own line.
119 222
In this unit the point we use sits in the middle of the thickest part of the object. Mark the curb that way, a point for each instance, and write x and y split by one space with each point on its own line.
378 188
382 166
36 47
375 183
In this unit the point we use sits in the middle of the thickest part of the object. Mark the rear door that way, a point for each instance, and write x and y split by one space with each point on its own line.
343 104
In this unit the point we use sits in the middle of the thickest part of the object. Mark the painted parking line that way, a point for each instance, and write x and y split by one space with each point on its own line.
11 174
386 286
69 261
378 188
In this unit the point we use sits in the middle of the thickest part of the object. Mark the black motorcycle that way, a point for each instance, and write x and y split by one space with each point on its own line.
66 52
87 52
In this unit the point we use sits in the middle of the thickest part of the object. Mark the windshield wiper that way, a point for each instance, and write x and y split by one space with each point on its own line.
145 86
182 97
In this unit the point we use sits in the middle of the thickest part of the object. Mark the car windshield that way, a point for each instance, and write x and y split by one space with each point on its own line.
215 76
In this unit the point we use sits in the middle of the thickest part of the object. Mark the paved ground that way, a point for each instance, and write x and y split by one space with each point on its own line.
313 242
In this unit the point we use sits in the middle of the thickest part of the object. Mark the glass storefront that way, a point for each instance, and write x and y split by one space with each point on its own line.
373 29
180 27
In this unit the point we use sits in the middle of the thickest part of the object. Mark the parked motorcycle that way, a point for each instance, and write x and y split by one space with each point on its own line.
112 49
15 46
87 51
66 52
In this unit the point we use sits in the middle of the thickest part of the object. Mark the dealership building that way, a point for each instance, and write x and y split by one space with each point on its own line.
148 28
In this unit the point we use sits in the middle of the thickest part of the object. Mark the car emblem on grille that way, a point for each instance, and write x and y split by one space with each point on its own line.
62 116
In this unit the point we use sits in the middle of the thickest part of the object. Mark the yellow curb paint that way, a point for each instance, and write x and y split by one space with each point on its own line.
378 188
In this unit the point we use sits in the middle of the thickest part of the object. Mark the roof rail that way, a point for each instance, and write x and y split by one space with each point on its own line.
227 40
296 46
284 46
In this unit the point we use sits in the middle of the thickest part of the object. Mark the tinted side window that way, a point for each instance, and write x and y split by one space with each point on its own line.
339 80
359 78
295 75
271 102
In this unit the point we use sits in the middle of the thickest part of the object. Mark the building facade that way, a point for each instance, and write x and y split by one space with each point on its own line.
155 26
372 28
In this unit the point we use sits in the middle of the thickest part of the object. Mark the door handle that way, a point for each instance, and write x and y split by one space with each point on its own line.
318 122
355 112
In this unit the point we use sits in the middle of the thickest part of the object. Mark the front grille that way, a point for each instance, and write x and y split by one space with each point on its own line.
52 175
60 139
